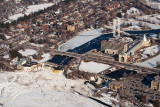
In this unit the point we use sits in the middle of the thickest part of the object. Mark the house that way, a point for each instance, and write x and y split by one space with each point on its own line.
30 66
115 85
71 28
155 84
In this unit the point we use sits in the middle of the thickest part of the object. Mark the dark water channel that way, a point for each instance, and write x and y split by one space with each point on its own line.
96 44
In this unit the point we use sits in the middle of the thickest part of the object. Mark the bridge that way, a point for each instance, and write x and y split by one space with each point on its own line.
105 60
124 65
69 54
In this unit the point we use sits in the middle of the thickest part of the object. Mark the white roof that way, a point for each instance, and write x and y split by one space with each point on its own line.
144 38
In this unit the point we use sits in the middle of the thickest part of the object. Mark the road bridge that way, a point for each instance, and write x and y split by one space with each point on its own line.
124 65
104 60
70 54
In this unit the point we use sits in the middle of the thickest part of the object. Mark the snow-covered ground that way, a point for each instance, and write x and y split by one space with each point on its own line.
30 9
93 67
81 39
130 28
145 24
150 63
44 89
27 52
37 45
35 8
154 18
46 57
151 50
15 17
153 3
6 56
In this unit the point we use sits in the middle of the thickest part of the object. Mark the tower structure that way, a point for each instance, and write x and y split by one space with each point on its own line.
116 27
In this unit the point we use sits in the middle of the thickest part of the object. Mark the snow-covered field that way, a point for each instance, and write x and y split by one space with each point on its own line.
93 67
30 9
35 8
27 52
150 51
81 39
44 89
150 63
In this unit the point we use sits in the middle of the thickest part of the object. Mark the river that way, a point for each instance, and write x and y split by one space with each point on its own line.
96 44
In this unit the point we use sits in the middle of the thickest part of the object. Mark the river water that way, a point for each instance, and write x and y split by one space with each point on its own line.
96 44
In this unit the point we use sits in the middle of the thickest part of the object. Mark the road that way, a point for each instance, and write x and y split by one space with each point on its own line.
104 60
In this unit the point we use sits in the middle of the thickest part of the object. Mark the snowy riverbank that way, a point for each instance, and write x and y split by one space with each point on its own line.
81 39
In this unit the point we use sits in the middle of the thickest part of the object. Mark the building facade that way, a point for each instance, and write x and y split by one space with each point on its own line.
155 84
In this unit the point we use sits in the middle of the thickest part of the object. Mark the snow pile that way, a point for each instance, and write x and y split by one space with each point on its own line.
81 39
45 89
151 50
27 52
93 67
46 57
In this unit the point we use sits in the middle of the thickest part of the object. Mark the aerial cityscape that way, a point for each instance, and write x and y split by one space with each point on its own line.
80 53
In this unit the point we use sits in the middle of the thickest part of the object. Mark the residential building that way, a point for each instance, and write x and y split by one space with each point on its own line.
155 84
115 85
71 28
